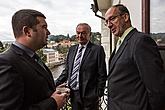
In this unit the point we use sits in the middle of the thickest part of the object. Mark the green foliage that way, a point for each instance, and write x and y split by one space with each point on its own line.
73 38
41 55
67 36
96 38
1 45
58 38
2 50
62 49
158 37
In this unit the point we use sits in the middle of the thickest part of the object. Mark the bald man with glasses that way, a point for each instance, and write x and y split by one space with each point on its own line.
136 78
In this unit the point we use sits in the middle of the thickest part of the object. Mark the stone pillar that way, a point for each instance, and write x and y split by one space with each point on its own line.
107 39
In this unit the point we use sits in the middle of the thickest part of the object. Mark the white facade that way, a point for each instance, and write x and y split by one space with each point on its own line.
52 56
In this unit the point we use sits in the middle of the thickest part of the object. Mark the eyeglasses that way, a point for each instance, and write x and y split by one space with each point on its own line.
82 33
112 19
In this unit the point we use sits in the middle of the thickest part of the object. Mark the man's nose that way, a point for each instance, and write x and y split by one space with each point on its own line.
48 32
109 25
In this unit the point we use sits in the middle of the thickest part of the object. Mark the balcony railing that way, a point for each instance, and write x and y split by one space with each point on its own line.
102 103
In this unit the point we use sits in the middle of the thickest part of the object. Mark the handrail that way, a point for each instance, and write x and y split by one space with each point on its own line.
102 102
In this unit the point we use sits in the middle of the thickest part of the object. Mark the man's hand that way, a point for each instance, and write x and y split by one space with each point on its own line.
63 88
60 98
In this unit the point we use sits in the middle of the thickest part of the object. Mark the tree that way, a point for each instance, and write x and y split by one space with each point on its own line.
96 38
73 38
41 55
68 36
1 47
58 38
62 50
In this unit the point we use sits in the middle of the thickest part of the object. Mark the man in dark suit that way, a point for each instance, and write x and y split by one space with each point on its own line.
86 82
136 79
24 83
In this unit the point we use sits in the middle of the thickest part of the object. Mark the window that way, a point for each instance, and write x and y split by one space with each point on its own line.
157 23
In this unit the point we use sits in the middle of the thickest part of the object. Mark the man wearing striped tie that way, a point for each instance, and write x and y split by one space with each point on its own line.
85 71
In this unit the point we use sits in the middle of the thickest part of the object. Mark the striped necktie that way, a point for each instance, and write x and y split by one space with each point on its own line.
76 67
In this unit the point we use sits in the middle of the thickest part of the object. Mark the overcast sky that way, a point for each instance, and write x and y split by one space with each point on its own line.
62 15
157 16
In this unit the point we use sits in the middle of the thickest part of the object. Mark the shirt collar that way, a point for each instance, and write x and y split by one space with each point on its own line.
125 33
26 49
83 45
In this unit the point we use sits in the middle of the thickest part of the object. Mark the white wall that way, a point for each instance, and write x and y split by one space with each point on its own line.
135 9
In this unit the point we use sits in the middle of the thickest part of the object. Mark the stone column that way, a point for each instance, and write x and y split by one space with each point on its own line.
107 40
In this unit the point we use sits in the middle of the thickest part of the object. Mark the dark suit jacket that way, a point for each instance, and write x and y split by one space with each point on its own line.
136 79
24 84
92 74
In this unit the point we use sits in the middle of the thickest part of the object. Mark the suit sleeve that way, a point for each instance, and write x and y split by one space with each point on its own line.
12 91
64 75
150 66
102 72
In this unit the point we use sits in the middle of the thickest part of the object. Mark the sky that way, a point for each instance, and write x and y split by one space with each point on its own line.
62 15
157 16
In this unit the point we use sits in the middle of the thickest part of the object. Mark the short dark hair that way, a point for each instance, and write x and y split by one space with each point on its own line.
122 9
25 17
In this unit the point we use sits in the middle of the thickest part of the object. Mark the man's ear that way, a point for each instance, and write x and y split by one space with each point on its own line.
90 33
26 31
126 17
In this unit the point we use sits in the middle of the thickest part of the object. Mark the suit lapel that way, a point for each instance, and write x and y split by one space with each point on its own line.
50 75
31 62
40 70
87 51
115 57
113 53
72 55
